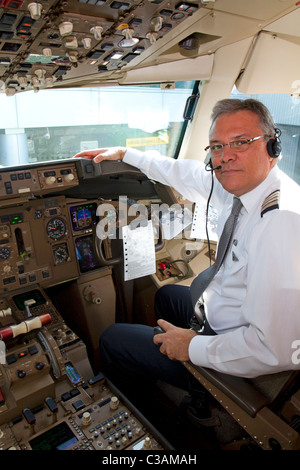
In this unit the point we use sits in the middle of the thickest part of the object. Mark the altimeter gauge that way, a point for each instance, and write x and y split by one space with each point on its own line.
56 228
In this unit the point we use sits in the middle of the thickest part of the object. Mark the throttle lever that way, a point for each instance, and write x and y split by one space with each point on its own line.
157 330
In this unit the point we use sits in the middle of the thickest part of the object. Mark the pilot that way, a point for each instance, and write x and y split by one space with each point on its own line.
251 306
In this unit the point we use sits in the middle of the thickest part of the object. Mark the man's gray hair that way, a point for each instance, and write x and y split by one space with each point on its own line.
229 106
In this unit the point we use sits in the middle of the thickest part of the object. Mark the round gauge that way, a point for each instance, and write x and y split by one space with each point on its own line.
56 228
60 253
4 253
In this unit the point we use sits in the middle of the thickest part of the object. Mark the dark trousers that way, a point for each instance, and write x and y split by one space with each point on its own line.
129 354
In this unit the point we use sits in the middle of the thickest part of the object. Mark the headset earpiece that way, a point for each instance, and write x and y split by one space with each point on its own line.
274 144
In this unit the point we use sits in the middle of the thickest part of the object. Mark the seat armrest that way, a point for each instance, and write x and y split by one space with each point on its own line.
238 389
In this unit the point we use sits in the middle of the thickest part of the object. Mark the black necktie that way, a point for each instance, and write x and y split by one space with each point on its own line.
203 279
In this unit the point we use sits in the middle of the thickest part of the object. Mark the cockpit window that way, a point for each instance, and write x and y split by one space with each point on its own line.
58 123
285 110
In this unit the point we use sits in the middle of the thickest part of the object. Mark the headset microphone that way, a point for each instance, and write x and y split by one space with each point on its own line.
209 166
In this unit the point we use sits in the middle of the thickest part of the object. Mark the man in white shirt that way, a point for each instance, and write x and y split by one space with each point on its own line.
252 304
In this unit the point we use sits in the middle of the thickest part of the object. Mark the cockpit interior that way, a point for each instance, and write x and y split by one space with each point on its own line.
80 74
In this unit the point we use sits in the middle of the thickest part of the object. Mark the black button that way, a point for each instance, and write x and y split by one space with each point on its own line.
33 349
78 405
11 359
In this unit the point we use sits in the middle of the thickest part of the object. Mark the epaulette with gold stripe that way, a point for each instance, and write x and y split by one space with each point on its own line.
271 202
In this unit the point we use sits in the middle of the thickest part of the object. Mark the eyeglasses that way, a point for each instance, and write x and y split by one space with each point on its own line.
217 150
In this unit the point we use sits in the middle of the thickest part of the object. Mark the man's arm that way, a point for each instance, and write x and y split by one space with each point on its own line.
264 344
188 177
98 155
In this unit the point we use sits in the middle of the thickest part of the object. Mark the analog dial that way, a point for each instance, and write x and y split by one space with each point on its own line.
60 253
56 228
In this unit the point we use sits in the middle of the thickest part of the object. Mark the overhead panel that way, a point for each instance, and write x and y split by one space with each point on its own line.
64 43
42 44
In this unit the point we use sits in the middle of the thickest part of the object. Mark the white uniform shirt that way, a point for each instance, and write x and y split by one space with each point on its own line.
253 303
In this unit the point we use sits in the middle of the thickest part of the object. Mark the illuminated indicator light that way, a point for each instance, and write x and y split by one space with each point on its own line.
138 50
116 55
122 26
13 4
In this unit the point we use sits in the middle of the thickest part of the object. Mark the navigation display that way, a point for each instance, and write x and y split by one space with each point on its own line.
58 438
85 254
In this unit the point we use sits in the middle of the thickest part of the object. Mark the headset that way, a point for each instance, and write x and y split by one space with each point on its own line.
273 149
274 144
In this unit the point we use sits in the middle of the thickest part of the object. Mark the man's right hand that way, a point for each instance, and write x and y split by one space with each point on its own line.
98 155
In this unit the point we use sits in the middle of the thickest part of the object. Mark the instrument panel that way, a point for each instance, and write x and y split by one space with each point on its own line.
36 244
48 217
47 241
36 180
50 399
49 395
45 237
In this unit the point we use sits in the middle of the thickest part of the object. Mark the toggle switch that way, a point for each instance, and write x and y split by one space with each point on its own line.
47 52
52 406
65 28
30 418
35 10
97 32
71 42
156 23
152 37
87 43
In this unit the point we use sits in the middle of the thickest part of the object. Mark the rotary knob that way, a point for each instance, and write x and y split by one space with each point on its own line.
114 403
50 180
86 419
21 373
147 444
69 177
39 365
